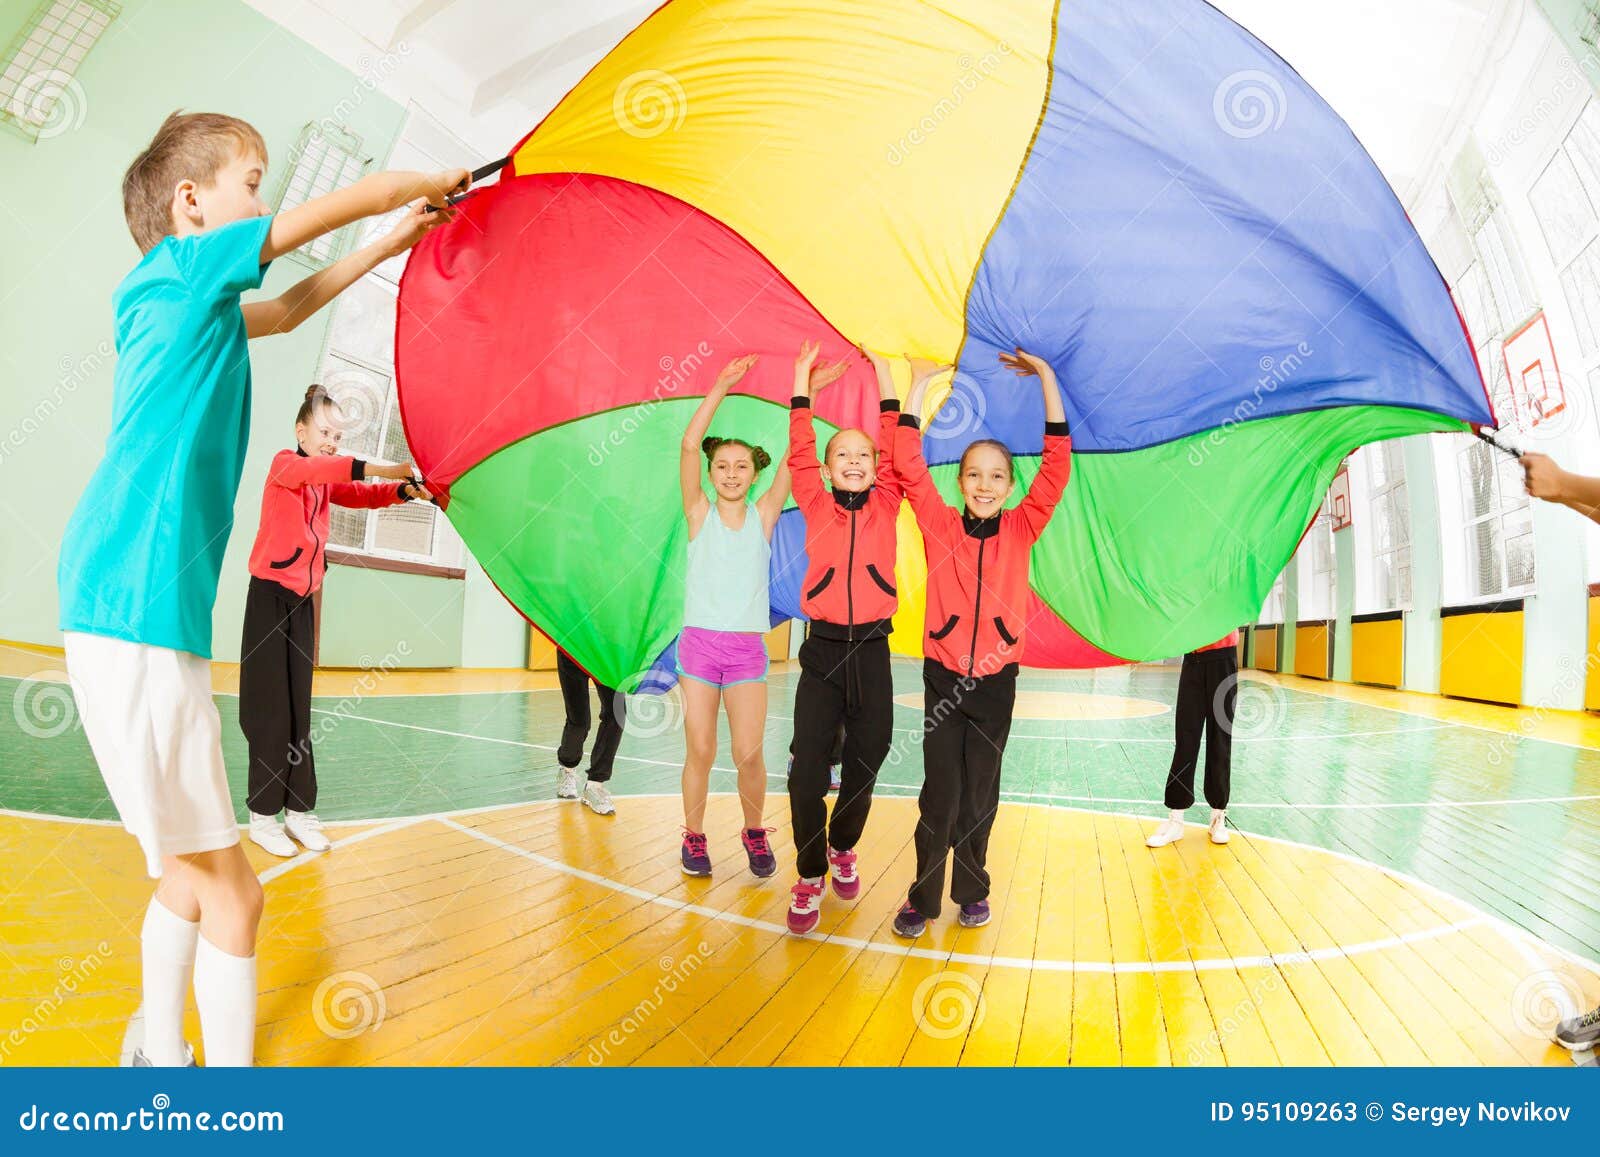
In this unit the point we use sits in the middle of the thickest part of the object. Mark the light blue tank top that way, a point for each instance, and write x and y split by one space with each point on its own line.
726 587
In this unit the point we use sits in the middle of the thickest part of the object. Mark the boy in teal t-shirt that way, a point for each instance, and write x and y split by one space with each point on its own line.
143 551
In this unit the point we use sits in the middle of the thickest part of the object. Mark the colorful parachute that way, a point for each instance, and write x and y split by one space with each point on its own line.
1143 193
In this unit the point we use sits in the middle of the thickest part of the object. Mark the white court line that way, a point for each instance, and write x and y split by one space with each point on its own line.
1023 796
1271 960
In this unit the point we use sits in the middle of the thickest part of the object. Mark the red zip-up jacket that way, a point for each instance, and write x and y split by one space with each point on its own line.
1229 640
978 567
291 544
850 537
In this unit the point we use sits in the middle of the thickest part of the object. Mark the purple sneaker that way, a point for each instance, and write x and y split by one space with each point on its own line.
908 922
696 859
833 777
762 862
974 915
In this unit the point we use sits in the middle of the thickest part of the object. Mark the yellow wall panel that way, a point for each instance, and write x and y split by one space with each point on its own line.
1377 652
1591 687
1311 650
1266 649
1482 657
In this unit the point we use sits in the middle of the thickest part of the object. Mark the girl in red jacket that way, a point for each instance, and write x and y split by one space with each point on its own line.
977 599
286 568
849 595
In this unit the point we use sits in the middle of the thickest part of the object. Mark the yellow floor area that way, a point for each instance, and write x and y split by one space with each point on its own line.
540 934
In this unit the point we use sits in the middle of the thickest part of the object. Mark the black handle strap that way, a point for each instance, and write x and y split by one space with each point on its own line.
478 174
1500 446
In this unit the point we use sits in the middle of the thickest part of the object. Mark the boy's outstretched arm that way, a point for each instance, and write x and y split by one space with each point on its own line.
286 311
372 195
1544 479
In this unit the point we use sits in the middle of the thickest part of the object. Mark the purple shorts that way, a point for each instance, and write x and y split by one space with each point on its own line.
721 658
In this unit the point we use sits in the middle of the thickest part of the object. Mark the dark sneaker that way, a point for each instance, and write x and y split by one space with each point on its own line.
696 859
762 862
1580 1032
908 922
974 915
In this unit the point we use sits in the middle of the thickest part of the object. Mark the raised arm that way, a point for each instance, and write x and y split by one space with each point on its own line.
1045 491
804 468
371 195
1547 481
695 503
771 504
288 310
932 512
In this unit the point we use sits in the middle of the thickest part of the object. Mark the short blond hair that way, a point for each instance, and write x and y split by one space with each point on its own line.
188 146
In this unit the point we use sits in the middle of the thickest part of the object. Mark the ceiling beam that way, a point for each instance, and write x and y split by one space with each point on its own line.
590 40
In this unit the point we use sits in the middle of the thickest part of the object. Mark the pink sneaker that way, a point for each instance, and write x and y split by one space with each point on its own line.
842 867
806 907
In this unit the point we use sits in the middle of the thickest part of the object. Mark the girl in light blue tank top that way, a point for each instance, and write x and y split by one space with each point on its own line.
721 654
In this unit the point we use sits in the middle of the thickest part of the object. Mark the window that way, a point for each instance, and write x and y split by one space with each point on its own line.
1272 609
1317 569
1498 522
39 95
358 371
325 158
1384 539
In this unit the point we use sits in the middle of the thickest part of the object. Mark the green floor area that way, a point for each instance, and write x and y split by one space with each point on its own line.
1374 784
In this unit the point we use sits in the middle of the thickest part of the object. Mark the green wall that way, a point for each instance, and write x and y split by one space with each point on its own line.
64 247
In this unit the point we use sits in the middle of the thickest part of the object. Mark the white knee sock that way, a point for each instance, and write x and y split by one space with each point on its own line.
167 948
225 990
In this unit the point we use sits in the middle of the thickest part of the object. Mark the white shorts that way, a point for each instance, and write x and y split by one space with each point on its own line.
157 737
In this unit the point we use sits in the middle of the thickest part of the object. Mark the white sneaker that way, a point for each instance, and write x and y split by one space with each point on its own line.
268 833
307 828
597 798
1170 832
1219 827
567 783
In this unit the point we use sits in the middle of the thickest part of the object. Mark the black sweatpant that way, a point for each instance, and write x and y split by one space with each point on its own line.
613 714
841 684
275 697
1208 686
965 728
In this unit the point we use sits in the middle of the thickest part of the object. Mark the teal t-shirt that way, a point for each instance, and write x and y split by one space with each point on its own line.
143 550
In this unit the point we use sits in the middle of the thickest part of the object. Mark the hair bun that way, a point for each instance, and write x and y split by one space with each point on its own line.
762 458
708 446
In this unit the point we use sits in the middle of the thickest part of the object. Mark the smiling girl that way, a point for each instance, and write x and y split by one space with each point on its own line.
726 611
977 604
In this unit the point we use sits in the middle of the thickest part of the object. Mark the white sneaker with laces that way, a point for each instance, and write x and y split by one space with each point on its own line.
597 798
1219 827
307 828
1170 832
567 783
267 832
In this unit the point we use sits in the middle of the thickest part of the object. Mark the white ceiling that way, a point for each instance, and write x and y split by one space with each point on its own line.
1402 73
